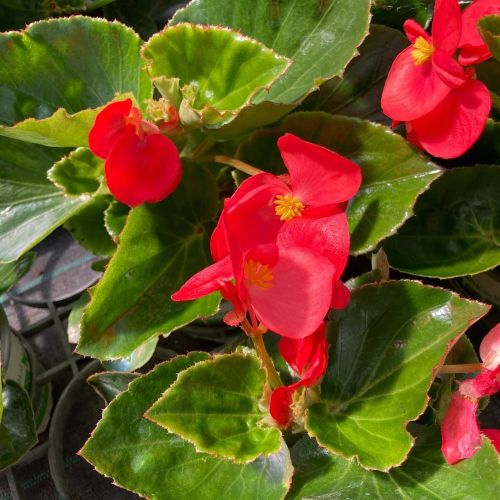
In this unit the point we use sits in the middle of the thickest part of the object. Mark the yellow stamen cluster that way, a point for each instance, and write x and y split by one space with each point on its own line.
288 206
257 274
422 50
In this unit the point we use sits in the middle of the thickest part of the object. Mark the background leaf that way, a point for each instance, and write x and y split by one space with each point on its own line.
395 12
389 343
17 429
109 384
31 206
424 475
393 173
359 91
218 81
141 456
456 227
75 64
489 27
215 406
161 246
12 272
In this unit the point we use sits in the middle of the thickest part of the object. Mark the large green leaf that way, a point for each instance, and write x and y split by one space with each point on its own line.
12 272
141 456
359 90
489 27
393 173
456 229
87 226
218 81
161 246
215 406
17 429
424 476
31 206
389 343
60 68
319 37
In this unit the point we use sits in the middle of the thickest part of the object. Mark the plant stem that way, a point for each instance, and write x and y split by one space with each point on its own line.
466 368
239 165
273 378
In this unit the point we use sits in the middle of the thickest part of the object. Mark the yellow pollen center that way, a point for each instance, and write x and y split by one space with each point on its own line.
257 273
422 51
287 206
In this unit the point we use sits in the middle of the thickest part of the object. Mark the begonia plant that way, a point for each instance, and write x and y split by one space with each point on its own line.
251 158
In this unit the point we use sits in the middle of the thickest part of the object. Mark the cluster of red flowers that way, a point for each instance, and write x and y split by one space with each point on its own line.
445 108
142 165
280 247
461 437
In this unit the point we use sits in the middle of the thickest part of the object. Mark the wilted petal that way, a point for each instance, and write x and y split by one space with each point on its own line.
489 350
486 383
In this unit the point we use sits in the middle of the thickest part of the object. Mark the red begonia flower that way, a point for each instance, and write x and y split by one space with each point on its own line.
141 164
308 357
421 75
484 384
494 436
473 48
489 350
459 430
454 124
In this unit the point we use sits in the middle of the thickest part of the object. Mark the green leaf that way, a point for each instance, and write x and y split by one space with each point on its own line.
75 317
393 173
55 70
217 82
115 217
161 246
87 226
143 457
389 343
139 357
17 430
31 206
109 384
456 228
12 272
489 27
215 406
320 37
78 173
395 12
424 475
359 91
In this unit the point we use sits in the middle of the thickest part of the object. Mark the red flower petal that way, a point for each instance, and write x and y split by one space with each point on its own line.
413 30
486 383
412 90
474 49
489 350
109 125
318 176
494 436
206 281
142 170
449 70
459 430
450 129
296 302
280 402
340 295
446 25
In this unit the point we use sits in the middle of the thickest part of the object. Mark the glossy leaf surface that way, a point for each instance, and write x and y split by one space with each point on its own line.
218 81
17 429
319 37
74 64
161 246
425 475
12 272
389 343
359 90
393 173
109 384
215 406
31 206
115 217
395 12
143 457
456 228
